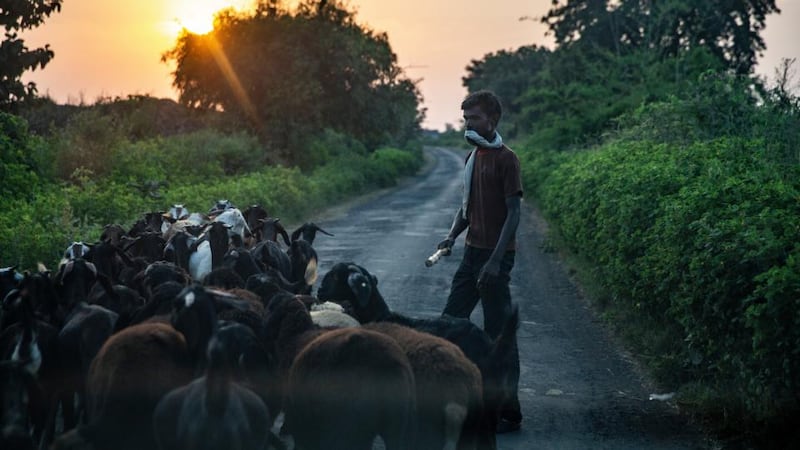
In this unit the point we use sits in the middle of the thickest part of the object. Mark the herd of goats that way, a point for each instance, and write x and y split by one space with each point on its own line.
200 331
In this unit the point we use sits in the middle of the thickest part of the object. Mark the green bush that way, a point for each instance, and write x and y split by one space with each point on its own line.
687 217
17 168
279 190
327 146
187 158
86 145
699 243
40 230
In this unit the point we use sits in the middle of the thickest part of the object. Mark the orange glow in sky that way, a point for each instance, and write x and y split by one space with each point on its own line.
197 16
113 48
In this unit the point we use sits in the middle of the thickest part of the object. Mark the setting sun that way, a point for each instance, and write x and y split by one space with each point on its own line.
197 16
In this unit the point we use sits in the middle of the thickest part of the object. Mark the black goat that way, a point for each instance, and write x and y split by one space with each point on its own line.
268 229
9 279
209 250
213 411
196 312
242 261
33 343
86 327
178 249
112 234
148 245
17 386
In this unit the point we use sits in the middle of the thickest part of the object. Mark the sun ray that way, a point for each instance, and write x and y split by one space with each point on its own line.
233 80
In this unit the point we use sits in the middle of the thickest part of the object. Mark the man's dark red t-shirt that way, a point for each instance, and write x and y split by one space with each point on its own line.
495 176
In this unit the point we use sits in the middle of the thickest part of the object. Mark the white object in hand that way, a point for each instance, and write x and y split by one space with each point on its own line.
434 258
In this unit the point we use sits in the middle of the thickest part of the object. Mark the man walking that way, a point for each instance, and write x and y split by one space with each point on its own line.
490 210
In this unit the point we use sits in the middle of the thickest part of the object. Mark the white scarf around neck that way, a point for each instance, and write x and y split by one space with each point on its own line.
475 139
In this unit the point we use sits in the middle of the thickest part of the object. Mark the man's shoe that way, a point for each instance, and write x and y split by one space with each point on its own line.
507 426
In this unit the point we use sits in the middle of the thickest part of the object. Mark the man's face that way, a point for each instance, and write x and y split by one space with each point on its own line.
477 120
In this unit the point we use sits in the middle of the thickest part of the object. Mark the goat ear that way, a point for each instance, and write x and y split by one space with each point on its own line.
360 287
311 272
285 235
296 234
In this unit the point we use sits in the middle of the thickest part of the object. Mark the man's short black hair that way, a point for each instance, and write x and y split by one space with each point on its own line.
487 101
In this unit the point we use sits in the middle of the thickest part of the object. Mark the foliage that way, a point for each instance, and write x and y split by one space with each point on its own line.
729 30
186 158
716 106
508 74
194 169
39 230
575 99
86 145
687 214
571 96
18 170
325 146
15 57
612 57
137 116
289 74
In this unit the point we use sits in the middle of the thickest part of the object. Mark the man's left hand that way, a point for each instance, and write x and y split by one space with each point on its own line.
489 274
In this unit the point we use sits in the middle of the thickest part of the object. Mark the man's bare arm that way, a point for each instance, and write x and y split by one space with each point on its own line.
459 225
492 266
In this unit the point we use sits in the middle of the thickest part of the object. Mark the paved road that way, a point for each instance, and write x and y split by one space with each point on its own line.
578 389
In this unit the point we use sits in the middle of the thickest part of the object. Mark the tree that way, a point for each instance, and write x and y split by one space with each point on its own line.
729 29
289 75
508 74
15 57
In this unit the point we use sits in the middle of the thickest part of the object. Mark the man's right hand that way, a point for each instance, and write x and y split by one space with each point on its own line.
447 243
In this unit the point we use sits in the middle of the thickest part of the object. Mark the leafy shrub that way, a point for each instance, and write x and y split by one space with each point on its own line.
327 146
40 230
187 158
17 168
98 203
688 218
279 190
86 145
697 242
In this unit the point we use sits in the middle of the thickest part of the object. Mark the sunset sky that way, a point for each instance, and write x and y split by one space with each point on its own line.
113 47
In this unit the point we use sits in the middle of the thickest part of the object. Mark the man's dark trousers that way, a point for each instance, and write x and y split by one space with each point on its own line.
496 303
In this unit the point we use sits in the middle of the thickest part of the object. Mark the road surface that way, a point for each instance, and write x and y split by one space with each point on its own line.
578 389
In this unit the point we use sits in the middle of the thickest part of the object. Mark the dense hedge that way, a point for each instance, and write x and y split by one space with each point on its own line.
688 220
118 181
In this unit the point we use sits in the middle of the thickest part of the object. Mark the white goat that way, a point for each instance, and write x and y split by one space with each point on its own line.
238 225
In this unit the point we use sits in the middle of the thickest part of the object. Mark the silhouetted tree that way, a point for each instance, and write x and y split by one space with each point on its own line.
15 57
289 74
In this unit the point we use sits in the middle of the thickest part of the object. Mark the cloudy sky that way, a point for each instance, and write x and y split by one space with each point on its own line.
113 47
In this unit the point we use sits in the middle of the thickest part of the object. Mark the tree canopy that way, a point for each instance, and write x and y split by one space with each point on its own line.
15 57
291 73
613 56
728 29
